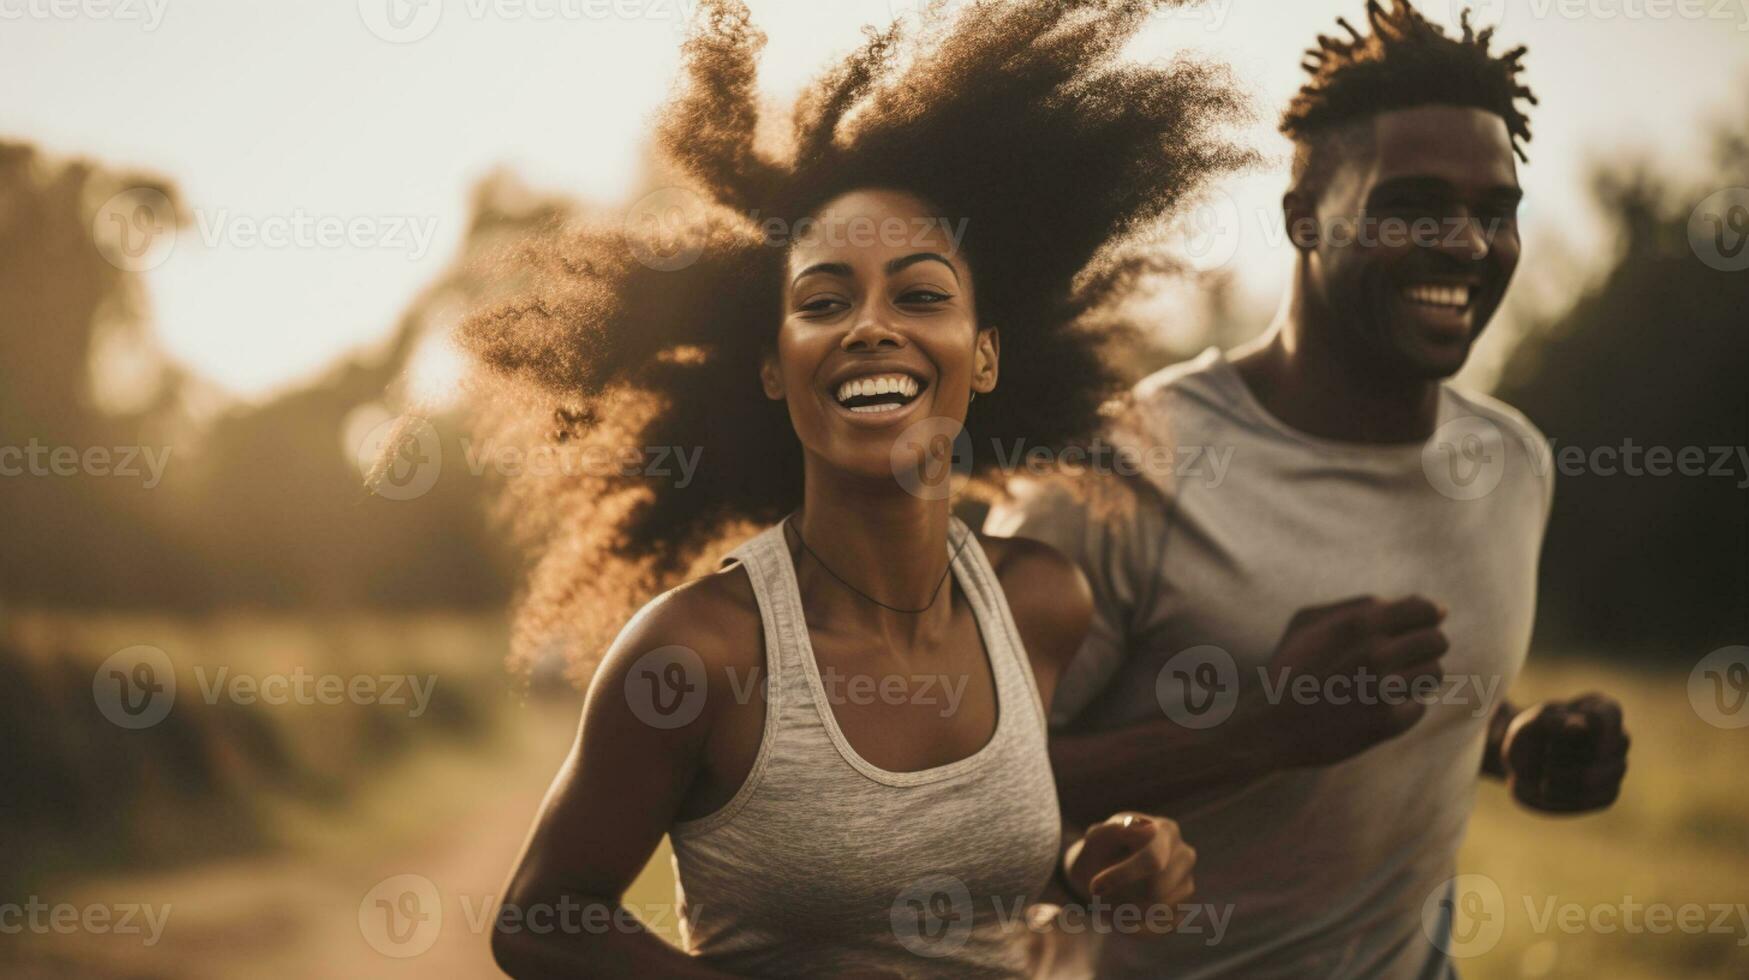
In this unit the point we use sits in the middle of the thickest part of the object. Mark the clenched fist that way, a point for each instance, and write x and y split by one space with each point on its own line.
1566 756
1398 638
1134 866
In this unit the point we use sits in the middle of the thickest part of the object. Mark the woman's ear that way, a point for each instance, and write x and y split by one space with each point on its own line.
986 354
770 376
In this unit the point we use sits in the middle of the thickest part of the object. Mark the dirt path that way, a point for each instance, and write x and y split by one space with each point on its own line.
399 885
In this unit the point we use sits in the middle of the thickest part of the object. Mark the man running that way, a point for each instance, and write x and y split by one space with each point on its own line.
1319 743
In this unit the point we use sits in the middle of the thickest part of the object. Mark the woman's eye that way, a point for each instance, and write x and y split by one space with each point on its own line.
821 306
923 296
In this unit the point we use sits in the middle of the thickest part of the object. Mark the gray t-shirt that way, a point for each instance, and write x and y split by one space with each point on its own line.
1334 871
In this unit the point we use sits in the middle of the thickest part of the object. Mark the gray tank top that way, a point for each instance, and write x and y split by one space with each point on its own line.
824 862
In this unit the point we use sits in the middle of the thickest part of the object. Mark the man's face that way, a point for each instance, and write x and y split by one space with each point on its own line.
1418 237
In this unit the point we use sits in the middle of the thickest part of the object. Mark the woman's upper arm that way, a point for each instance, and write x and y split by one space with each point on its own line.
636 755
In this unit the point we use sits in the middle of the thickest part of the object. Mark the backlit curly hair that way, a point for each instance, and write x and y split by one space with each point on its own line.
1017 117
1405 61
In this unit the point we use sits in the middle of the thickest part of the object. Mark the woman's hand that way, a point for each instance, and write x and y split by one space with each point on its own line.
1133 870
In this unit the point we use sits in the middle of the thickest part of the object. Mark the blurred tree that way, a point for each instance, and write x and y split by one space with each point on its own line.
1656 356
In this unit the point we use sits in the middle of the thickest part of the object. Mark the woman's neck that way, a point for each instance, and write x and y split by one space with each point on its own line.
887 543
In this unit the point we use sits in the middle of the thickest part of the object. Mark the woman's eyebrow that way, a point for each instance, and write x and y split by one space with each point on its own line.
823 268
905 262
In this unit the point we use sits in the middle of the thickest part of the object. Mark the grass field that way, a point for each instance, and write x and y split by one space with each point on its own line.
281 884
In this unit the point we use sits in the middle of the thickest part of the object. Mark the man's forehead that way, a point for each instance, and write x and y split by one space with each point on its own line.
1465 146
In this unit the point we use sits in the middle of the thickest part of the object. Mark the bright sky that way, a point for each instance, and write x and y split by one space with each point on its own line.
299 119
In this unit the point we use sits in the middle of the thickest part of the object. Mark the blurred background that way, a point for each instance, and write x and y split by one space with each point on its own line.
233 238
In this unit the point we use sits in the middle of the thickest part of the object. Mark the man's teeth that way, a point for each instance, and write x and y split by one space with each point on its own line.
880 384
1455 297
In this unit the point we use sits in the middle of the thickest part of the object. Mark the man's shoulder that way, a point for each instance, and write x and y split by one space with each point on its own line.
1510 421
1199 381
1526 447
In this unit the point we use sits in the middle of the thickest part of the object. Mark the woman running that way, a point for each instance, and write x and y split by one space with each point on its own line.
842 727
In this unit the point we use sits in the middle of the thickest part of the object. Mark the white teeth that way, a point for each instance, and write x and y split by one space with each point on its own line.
1455 297
878 385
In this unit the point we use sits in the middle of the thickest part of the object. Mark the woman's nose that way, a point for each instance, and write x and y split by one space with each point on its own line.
871 332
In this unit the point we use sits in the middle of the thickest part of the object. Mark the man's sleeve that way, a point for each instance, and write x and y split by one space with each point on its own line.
1117 536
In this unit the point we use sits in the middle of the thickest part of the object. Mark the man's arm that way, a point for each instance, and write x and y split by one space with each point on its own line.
1493 754
1159 763
1118 539
1559 756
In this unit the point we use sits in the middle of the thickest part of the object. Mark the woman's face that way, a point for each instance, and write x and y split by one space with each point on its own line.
879 332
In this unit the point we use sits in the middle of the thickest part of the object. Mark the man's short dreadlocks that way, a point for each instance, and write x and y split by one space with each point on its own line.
1406 61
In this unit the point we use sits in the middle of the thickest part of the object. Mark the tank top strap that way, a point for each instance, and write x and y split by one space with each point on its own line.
766 558
1008 656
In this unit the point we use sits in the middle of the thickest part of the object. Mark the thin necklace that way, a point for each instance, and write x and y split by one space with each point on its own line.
933 596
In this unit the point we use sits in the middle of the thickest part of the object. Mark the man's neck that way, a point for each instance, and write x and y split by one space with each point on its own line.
1301 375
